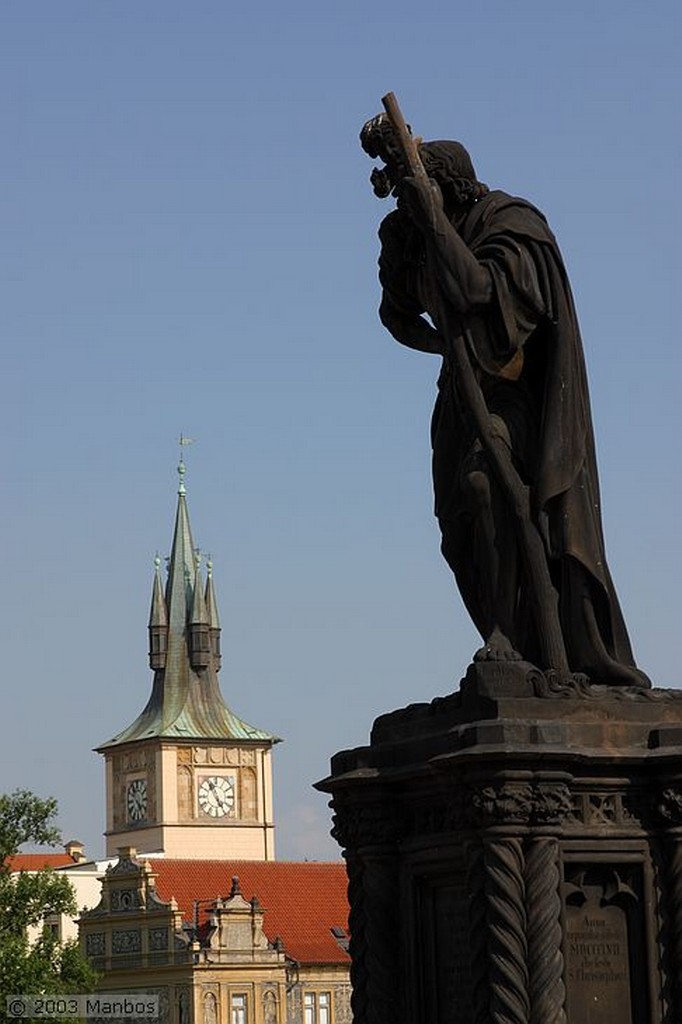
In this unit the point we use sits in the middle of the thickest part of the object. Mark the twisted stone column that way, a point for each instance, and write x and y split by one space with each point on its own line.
358 943
675 903
668 808
382 937
545 959
369 832
507 943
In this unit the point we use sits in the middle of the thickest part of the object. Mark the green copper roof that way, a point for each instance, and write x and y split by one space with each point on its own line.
185 703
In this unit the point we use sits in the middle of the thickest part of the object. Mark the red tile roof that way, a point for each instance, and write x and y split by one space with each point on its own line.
302 901
36 861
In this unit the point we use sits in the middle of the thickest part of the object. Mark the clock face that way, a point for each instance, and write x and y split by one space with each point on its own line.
216 795
136 799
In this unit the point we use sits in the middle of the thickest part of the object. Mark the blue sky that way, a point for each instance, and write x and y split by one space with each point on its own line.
189 244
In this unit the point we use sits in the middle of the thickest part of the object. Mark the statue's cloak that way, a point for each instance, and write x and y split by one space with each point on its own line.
526 348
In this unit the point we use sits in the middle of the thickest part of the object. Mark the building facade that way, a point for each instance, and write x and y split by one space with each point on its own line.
272 949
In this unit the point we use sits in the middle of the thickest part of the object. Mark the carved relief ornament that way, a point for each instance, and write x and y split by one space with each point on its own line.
376 823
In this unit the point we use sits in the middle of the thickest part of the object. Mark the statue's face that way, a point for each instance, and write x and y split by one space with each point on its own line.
378 141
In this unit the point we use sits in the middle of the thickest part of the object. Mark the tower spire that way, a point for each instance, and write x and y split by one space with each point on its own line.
187 761
184 649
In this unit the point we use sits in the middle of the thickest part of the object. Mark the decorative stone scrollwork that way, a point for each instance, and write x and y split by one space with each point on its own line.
342 1005
358 825
126 941
604 808
551 803
669 805
554 684
95 944
158 939
608 808
124 899
503 802
513 803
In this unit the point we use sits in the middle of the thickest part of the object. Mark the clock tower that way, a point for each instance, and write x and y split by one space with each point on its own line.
188 778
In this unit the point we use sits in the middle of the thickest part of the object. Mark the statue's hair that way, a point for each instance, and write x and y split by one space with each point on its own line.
446 162
450 165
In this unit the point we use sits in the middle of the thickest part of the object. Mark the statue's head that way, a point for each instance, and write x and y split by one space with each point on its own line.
450 165
377 138
446 162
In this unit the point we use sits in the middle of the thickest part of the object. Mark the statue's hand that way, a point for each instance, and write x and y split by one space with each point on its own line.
421 199
410 329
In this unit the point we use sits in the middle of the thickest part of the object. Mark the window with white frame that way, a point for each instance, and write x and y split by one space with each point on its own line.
317 1008
239 1009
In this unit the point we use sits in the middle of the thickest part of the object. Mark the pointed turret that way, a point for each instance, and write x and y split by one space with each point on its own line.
199 638
213 617
158 622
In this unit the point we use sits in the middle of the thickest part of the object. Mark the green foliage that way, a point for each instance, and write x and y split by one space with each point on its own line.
45 965
26 899
25 818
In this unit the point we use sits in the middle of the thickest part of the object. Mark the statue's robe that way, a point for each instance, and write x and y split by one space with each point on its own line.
526 349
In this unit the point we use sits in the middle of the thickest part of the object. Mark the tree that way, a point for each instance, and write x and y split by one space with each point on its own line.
46 965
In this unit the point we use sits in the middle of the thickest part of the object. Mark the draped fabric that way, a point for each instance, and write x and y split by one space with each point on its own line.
527 352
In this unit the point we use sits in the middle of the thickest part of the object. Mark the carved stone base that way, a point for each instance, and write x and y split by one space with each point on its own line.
515 854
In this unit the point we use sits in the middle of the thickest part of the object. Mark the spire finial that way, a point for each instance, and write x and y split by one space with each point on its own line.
183 442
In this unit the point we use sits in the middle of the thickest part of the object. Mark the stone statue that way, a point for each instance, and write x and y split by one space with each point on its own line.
476 277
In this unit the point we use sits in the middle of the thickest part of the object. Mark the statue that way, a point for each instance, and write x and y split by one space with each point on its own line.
476 277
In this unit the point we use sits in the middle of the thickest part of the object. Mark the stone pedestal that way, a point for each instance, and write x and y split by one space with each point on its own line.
514 855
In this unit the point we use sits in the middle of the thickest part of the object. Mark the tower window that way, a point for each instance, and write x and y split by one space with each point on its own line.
159 644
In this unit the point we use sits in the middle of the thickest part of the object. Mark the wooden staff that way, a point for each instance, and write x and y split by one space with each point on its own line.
543 595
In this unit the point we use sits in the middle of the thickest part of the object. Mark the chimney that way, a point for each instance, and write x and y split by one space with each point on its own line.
75 849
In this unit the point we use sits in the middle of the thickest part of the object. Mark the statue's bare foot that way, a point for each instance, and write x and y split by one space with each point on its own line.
497 648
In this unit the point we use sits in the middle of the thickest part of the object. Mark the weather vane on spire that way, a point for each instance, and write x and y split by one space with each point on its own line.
183 442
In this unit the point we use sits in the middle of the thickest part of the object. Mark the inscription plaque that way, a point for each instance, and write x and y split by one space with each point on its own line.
605 973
